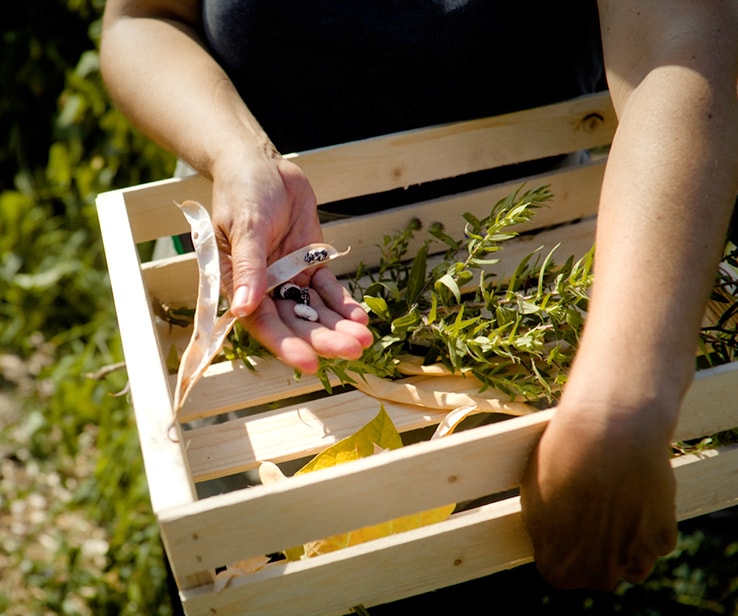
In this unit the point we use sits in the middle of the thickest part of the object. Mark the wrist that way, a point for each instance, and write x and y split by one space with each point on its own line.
641 391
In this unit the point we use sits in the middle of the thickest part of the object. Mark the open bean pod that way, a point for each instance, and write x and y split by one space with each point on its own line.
298 261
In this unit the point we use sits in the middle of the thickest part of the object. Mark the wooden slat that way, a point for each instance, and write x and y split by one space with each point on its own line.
467 546
152 210
575 195
231 386
292 432
706 482
575 190
403 159
166 465
414 157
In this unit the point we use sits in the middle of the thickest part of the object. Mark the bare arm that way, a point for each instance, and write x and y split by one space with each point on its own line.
598 496
160 74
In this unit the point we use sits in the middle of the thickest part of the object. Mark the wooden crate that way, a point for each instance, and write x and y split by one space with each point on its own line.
203 534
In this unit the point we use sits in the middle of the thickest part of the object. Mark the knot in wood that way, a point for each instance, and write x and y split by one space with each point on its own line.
591 122
397 173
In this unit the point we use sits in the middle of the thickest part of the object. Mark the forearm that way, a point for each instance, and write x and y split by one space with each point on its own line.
670 184
160 75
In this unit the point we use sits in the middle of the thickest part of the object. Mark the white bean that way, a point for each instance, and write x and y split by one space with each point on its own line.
306 312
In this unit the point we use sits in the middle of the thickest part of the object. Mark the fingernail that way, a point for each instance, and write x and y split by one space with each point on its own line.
240 301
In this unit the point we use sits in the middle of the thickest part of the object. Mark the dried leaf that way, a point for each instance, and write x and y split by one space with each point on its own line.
242 567
436 390
378 435
453 419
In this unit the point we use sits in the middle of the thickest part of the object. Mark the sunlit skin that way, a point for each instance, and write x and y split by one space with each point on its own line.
598 494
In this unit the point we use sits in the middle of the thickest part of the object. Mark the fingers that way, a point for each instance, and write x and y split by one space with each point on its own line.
330 336
298 342
336 297
266 325
599 508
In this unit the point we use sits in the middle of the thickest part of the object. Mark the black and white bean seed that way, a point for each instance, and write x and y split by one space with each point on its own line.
316 255
301 295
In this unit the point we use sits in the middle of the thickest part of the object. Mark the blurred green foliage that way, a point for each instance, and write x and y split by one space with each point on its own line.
65 441
63 144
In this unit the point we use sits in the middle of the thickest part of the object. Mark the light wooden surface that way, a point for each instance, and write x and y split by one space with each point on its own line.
202 534
486 460
480 542
403 159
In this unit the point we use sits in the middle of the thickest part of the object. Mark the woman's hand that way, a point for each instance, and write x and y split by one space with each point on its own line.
598 498
263 209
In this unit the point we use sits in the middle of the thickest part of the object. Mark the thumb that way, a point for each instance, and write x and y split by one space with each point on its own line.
248 276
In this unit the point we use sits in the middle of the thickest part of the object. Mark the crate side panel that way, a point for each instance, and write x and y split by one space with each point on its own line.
418 477
166 465
484 541
459 455
467 546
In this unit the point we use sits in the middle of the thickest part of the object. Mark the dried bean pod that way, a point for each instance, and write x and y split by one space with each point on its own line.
305 258
209 330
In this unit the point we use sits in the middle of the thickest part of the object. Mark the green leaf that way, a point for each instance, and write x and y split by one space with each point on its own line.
378 306
447 281
433 312
407 321
416 277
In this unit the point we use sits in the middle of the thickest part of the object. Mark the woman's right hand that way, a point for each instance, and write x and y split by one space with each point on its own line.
263 209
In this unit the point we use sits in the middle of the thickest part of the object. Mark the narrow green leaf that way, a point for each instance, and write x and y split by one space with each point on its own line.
447 281
433 312
378 306
402 324
416 277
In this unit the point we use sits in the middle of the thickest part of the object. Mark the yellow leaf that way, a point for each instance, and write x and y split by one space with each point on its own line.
378 435
379 432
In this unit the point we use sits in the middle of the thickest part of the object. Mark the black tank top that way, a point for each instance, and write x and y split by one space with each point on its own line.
325 72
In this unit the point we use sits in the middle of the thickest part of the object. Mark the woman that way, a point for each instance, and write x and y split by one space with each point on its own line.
227 85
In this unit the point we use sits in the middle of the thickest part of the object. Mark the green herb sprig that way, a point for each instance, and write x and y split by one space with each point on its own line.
516 334
445 303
